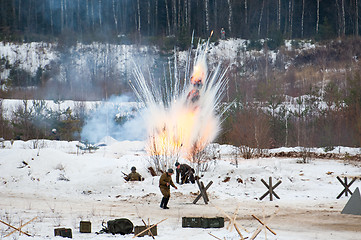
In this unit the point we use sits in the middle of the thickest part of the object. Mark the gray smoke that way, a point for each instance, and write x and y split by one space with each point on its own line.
118 117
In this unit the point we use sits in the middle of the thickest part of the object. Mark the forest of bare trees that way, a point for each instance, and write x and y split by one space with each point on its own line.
112 20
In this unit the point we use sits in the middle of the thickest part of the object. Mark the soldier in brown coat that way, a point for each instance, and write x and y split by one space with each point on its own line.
134 176
165 182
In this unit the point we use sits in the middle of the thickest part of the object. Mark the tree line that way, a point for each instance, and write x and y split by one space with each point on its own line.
308 97
30 20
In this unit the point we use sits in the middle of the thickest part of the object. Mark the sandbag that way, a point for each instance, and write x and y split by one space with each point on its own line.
120 226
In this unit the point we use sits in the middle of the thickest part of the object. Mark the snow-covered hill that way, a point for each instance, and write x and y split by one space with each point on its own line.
86 59
30 56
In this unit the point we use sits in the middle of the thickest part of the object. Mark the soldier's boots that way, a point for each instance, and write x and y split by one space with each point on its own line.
166 203
162 202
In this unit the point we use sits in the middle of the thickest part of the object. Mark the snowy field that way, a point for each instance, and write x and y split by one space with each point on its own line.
61 185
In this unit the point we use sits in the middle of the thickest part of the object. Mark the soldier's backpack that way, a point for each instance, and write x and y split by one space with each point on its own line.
118 226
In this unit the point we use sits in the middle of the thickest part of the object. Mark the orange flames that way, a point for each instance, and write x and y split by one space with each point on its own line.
198 75
174 134
187 123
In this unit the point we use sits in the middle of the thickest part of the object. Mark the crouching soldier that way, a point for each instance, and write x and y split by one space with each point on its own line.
133 176
165 182
185 172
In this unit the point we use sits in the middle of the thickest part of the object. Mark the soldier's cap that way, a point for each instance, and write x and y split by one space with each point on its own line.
170 170
177 164
133 169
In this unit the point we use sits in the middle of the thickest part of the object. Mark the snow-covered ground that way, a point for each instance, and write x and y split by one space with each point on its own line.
61 185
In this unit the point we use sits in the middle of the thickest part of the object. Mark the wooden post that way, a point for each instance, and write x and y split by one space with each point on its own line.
204 192
270 189
259 220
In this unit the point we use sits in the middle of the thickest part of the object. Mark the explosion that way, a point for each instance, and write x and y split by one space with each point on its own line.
189 119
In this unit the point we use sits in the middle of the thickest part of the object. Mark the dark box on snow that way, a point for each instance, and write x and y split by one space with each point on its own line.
85 227
63 232
200 222
138 229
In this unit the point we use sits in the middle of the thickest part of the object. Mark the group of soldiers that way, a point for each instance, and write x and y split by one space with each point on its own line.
184 174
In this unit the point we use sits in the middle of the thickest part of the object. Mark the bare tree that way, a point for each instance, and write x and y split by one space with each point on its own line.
65 13
246 12
356 18
163 155
343 17
148 17
115 17
179 15
207 15
279 15
174 14
138 12
339 22
198 156
92 14
215 10
302 17
167 12
230 16
156 16
290 18
318 16
260 20
189 11
19 13
51 16
61 15
78 18
100 13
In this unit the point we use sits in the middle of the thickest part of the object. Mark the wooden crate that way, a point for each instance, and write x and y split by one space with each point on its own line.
63 232
138 229
200 222
192 222
85 227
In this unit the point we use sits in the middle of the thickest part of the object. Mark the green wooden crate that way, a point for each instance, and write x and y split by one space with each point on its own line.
200 222
138 229
85 227
63 232
191 222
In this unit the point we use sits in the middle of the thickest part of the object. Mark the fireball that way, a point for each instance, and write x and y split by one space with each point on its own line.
190 118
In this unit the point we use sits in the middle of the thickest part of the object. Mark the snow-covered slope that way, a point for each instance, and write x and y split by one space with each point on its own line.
30 56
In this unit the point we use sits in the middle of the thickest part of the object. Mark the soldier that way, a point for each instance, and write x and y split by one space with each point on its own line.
185 172
165 182
133 176
223 34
